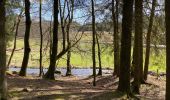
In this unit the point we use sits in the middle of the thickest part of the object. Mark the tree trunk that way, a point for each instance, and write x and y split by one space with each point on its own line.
70 15
148 38
93 45
3 81
41 39
116 39
26 39
50 37
125 54
141 42
138 45
99 55
51 70
62 15
68 73
15 39
167 21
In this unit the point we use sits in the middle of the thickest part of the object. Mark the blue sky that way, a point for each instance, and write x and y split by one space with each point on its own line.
47 12
80 15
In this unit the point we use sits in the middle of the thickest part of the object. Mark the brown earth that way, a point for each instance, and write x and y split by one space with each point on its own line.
78 88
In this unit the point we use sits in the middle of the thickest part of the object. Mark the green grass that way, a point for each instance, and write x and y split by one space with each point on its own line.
81 59
157 60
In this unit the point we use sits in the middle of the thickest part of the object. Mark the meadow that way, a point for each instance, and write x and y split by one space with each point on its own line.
80 56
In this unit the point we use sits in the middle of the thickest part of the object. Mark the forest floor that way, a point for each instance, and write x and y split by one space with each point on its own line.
78 88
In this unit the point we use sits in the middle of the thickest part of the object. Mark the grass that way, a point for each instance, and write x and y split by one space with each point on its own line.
158 60
81 59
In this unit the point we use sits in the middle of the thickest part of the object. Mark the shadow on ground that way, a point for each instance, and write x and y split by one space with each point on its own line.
73 88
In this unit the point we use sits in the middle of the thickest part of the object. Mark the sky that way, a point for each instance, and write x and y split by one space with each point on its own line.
47 12
80 15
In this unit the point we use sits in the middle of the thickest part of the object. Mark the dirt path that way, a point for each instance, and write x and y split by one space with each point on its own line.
75 88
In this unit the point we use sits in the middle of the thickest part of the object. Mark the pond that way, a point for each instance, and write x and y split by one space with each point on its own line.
76 72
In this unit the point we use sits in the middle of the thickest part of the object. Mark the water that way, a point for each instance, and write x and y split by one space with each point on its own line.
76 72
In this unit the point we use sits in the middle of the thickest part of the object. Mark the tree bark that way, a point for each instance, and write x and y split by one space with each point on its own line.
99 55
62 15
51 70
3 81
125 54
116 39
148 39
68 73
26 39
167 21
41 38
70 15
138 45
94 43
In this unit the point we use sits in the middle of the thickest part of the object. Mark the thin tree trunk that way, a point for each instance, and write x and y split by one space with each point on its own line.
99 55
148 38
41 39
70 15
167 21
62 12
116 39
50 38
93 45
125 54
68 73
26 39
3 81
51 70
15 39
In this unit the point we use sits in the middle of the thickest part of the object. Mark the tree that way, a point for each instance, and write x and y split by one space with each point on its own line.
41 37
99 55
15 38
11 16
94 43
167 21
115 16
125 54
26 39
70 9
3 81
63 21
53 56
138 45
148 39
12 28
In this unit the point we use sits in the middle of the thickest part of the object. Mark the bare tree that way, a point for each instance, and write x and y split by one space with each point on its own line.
70 8
115 15
15 38
94 43
148 39
26 39
41 37
99 55
53 56
63 21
